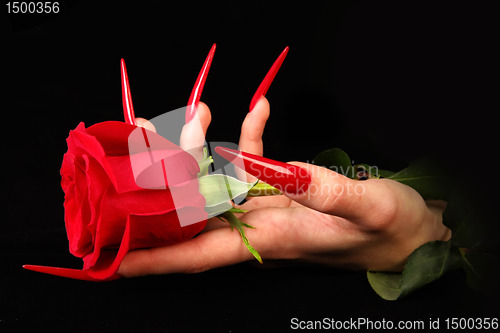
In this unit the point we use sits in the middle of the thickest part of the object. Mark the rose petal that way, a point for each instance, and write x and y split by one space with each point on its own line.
110 261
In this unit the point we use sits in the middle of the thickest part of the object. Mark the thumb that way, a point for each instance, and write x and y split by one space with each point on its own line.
312 186
333 193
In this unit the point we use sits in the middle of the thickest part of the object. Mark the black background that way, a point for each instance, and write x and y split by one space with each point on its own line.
387 82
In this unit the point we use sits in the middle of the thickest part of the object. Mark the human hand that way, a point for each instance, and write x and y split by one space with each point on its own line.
373 224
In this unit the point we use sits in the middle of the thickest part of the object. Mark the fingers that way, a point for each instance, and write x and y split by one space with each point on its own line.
332 193
267 201
268 79
209 250
194 98
193 133
128 108
315 187
197 114
212 249
253 128
141 122
255 121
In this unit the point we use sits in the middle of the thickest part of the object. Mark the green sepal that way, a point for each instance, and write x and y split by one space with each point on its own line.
262 189
223 207
204 164
219 190
237 210
234 222
218 209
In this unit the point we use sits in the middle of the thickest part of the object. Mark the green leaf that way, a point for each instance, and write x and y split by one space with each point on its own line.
426 264
433 179
337 160
428 177
385 173
386 284
234 222
370 171
220 189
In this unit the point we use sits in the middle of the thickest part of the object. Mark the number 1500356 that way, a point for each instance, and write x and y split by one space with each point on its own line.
471 323
40 7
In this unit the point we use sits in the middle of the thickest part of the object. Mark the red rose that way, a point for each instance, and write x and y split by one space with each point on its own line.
107 214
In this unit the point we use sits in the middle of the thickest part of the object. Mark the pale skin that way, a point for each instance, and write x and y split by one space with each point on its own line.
373 224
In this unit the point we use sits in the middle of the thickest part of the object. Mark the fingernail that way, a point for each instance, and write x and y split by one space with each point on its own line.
128 108
264 85
68 273
194 98
285 177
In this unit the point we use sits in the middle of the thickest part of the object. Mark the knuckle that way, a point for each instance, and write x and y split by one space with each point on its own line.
384 212
335 196
328 202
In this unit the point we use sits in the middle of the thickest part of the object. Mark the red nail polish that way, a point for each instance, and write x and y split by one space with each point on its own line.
264 85
68 273
128 108
194 98
285 177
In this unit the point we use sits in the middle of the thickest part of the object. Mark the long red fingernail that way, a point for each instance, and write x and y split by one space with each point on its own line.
194 98
68 273
285 177
128 108
264 85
